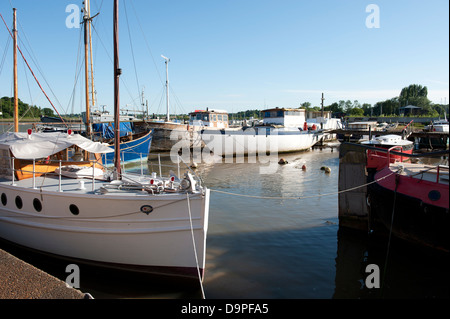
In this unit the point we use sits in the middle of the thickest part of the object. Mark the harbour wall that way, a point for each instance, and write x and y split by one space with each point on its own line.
394 119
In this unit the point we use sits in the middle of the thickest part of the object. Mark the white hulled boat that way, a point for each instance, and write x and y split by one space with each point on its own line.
282 130
105 217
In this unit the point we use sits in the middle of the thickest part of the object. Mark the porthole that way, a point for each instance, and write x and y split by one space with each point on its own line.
37 205
434 195
74 209
19 202
4 199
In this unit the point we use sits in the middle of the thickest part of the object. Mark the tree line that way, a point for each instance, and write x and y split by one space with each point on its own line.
25 110
414 94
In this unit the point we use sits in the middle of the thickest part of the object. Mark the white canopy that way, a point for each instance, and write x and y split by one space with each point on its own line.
41 145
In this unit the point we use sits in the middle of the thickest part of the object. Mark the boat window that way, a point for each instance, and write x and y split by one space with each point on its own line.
74 209
19 202
205 118
4 199
225 118
266 114
214 118
219 117
37 205
280 113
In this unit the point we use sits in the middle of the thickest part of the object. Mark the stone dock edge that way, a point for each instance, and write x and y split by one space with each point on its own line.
20 280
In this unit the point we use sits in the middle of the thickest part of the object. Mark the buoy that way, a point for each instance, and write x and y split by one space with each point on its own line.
282 161
326 169
304 167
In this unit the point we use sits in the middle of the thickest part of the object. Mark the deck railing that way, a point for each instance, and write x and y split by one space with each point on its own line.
127 170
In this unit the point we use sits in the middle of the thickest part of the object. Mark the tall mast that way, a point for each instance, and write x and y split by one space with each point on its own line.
90 51
16 94
86 71
167 87
117 72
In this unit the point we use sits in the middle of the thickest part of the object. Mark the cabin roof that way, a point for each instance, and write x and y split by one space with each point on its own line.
284 109
41 145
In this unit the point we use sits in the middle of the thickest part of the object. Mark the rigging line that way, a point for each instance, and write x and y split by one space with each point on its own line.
33 74
305 197
5 53
77 74
110 58
194 246
34 59
390 235
148 46
29 92
131 45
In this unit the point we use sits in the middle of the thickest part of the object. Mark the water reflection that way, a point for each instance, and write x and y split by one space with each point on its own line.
277 247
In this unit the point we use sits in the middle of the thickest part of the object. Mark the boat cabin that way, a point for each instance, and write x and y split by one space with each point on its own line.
209 118
284 117
362 126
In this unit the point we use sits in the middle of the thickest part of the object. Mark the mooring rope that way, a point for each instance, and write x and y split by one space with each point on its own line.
304 197
195 248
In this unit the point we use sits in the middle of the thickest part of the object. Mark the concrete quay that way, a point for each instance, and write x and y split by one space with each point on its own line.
20 280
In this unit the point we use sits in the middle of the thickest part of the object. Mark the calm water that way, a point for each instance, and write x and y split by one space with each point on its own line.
281 248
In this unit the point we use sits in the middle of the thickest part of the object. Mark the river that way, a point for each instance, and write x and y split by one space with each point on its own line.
280 239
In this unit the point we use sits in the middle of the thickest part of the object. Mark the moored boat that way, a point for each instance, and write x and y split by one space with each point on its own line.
378 158
82 211
412 201
282 130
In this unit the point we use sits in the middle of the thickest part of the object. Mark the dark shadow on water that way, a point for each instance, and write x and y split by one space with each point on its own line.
104 283
406 272
321 262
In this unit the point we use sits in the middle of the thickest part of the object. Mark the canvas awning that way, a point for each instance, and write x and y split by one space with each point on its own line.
42 145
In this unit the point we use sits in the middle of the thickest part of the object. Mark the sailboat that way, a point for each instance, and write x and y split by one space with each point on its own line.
106 217
135 135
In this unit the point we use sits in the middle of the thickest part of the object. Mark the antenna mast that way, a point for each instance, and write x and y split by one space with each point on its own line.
167 87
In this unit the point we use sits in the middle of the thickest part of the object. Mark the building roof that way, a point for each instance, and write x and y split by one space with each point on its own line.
409 107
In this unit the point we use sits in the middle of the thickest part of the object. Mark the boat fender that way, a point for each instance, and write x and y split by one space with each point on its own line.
304 167
282 161
305 126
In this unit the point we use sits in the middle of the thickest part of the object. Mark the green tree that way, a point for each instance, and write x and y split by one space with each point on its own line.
47 112
416 95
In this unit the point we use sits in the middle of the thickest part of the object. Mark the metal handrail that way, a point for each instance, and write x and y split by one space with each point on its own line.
95 164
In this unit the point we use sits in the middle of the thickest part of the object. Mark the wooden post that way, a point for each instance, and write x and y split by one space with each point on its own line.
353 210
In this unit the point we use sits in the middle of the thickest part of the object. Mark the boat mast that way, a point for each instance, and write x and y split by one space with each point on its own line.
86 71
90 51
117 72
167 87
16 94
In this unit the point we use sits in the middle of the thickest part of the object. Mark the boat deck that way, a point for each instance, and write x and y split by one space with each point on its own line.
425 172
51 183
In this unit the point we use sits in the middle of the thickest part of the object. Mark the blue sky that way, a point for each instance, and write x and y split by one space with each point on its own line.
233 54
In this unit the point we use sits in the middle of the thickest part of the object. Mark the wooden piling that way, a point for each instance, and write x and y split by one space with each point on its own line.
353 210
